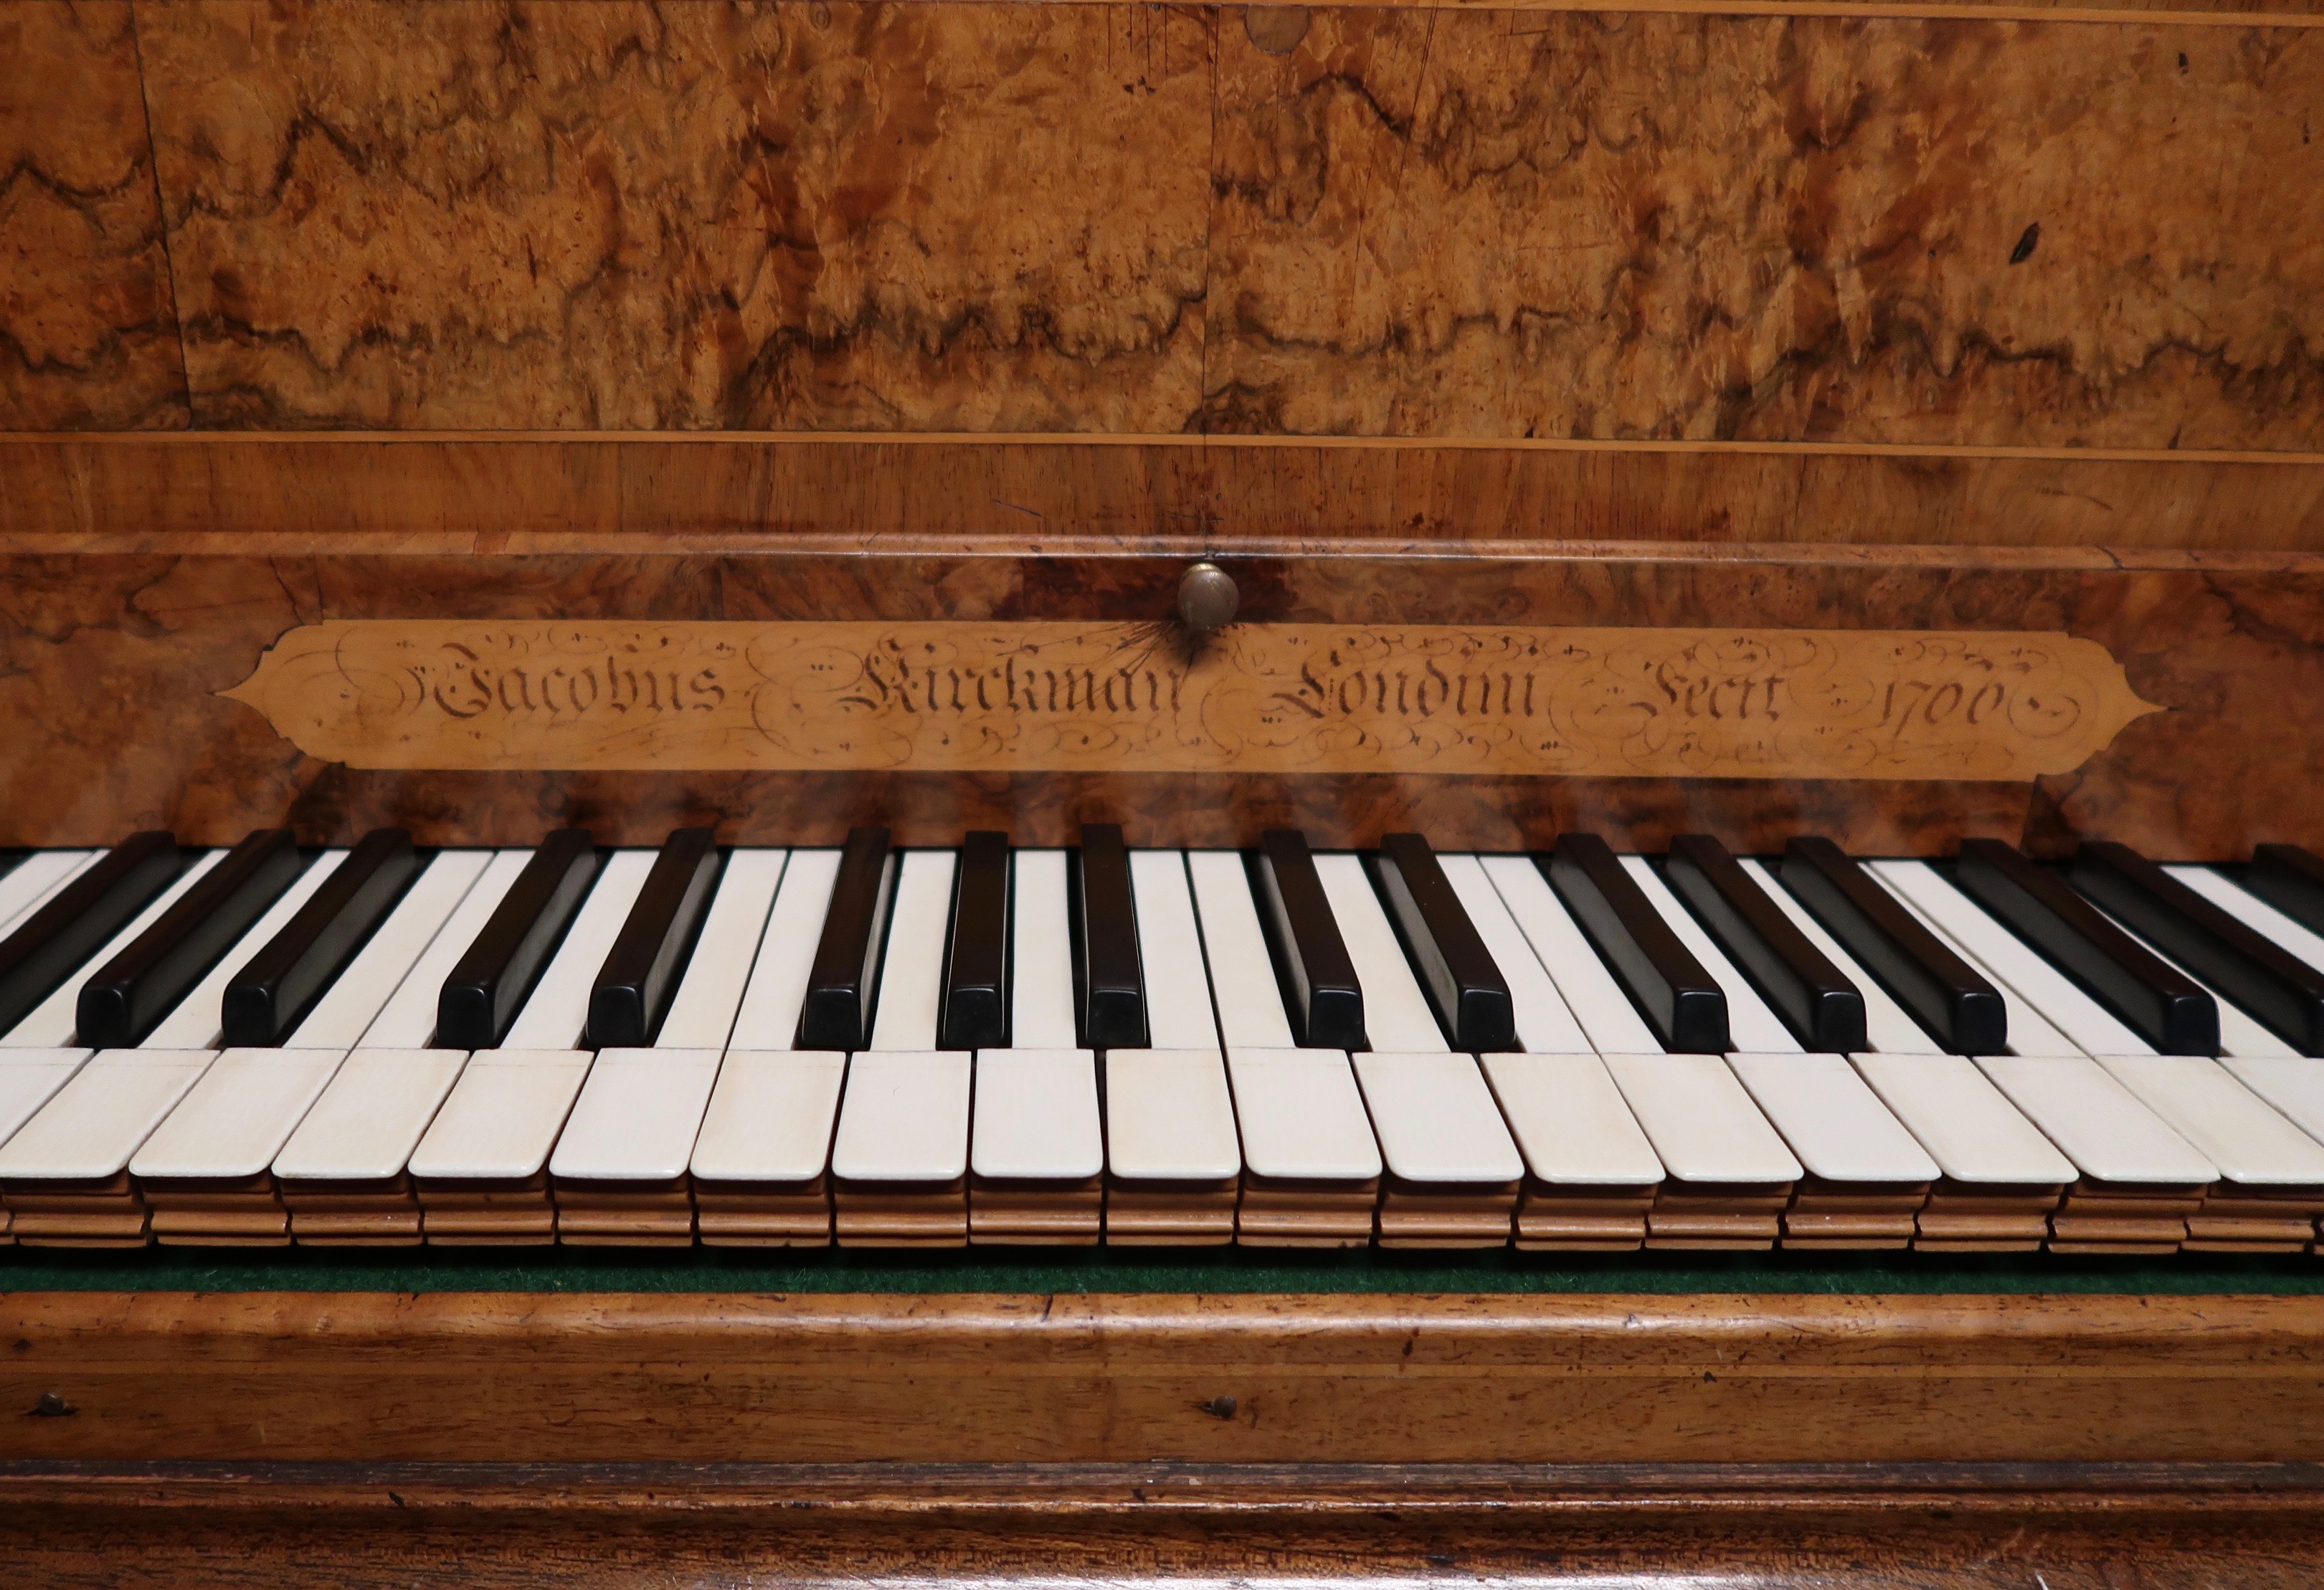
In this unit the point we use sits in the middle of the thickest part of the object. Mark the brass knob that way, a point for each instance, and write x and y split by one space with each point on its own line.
1207 597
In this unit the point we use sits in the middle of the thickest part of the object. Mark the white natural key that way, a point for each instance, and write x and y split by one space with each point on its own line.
2294 1084
1703 1126
1544 1024
1249 1003
1041 954
2240 1032
238 1118
770 1115
367 1122
1179 1014
1589 989
637 1117
1169 1116
29 1079
1955 1112
912 974
362 989
1396 1013
2096 1121
1301 1114
1951 1108
29 885
1835 1123
370 1117
1569 1120
2028 1032
904 1117
2253 912
557 1009
50 1024
503 1115
1436 1118
2008 961
1751 1026
1035 1116
770 1016
94 1122
702 1011
196 1021
1888 1028
2234 1128
408 1019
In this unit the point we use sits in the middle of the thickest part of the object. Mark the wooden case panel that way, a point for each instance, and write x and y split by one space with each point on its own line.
1912 1527
1310 1379
108 653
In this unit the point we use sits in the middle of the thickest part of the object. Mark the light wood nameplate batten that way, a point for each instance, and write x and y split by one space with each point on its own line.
1664 662
1043 697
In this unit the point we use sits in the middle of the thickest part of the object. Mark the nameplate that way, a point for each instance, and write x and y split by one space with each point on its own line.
974 697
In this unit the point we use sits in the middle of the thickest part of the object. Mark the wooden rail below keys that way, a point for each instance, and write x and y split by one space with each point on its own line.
1929 1527
1267 1378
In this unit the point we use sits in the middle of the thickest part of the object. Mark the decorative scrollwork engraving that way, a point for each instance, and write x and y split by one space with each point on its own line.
942 696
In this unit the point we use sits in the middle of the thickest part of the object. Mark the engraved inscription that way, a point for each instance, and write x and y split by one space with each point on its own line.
943 696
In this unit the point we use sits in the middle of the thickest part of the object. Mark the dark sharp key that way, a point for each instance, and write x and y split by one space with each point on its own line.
975 1013
1470 995
81 918
640 973
2263 978
1941 991
136 989
1110 975
838 1011
481 998
2291 879
1326 1001
2161 1004
267 998
1680 1000
1814 999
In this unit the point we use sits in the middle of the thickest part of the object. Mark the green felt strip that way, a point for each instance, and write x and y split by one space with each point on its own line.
1099 1270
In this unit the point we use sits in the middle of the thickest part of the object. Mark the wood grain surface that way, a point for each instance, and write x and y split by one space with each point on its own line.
957 217
105 650
1912 232
384 490
88 332
1450 222
547 1378
1924 1526
1073 696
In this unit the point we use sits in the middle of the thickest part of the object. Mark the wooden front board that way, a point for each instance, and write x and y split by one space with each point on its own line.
1259 1378
492 1438
124 700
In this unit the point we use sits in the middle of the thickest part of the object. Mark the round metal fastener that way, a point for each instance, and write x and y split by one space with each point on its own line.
1207 597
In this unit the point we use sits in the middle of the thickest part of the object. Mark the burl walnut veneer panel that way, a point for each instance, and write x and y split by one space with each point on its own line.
695 214
88 336
1963 231
1466 222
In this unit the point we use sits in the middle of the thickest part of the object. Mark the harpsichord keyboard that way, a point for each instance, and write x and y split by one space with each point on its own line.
876 1046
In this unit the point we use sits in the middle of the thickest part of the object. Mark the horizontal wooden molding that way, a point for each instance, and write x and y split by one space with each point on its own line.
1197 441
1052 490
2173 14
